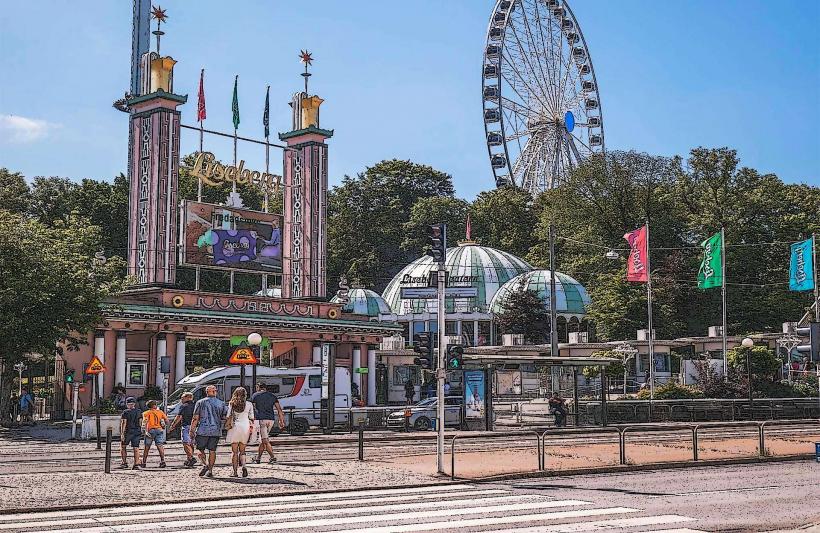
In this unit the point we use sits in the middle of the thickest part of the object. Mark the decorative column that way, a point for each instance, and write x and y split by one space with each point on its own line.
162 351
153 170
99 351
371 375
179 364
119 374
357 362
305 202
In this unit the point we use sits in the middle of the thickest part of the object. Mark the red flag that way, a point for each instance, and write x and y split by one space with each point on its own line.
200 107
469 230
638 254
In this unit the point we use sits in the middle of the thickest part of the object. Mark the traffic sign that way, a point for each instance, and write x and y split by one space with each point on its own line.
362 370
243 355
95 366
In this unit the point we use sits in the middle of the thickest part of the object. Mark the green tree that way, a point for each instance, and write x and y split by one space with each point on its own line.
15 195
523 312
50 289
765 364
366 217
433 210
504 218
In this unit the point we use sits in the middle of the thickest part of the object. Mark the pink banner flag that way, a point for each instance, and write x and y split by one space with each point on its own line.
638 251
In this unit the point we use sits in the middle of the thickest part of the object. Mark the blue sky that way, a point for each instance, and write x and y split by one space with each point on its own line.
402 79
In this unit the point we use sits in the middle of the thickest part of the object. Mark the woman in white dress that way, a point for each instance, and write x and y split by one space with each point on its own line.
240 415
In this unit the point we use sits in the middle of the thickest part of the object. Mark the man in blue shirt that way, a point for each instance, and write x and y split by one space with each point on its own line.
267 408
26 406
206 427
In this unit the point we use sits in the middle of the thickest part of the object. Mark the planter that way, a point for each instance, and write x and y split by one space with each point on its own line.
89 427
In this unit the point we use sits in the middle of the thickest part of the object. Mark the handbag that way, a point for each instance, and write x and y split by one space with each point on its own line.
230 420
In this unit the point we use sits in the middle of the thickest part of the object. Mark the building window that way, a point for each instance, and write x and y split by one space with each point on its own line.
404 372
405 331
135 374
451 328
468 332
483 333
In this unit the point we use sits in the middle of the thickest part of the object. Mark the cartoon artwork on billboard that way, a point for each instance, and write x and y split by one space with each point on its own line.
474 393
218 236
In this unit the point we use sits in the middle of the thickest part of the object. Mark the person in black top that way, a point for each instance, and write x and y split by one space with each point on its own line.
409 391
267 409
557 407
130 432
183 418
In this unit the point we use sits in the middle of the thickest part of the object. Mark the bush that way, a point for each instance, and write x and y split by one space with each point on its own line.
672 391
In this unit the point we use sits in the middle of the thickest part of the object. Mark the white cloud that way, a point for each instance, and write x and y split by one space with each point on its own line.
17 129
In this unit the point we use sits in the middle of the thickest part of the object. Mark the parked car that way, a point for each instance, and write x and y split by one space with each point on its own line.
423 413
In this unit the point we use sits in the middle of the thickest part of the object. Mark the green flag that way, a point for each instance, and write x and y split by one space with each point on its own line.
710 274
235 104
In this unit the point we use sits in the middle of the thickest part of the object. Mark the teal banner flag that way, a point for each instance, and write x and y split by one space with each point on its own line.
801 267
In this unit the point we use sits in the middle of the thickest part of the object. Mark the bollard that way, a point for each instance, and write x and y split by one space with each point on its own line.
108 435
407 414
695 443
361 443
762 444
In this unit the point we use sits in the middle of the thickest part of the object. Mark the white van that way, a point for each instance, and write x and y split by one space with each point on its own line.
299 391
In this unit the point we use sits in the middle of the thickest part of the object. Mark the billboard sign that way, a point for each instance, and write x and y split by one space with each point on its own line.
218 236
474 393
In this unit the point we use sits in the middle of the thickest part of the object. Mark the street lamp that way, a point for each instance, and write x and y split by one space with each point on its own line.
748 344
254 339
19 367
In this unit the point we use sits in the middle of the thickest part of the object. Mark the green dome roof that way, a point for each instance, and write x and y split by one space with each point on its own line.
571 297
364 302
469 265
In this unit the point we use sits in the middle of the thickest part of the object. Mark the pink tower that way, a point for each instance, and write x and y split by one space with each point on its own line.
304 268
153 172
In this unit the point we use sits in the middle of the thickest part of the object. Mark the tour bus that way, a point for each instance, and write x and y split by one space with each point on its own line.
299 391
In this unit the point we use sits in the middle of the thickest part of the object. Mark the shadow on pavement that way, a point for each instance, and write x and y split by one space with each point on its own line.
259 481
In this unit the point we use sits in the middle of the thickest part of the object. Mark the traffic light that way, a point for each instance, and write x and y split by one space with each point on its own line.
423 346
455 357
813 334
69 375
438 242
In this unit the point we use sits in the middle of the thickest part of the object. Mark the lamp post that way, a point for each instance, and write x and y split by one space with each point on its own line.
748 344
19 367
254 339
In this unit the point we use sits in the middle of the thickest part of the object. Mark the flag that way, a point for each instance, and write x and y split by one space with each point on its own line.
200 106
638 254
469 231
235 103
710 274
801 268
266 114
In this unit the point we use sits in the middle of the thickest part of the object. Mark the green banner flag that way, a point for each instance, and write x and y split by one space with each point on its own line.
235 104
710 274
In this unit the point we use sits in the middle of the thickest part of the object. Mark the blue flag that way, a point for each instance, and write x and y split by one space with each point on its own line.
266 114
801 268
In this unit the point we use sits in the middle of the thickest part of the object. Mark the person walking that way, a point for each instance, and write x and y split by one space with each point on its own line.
130 432
206 428
557 406
26 406
409 390
268 409
240 425
154 420
183 419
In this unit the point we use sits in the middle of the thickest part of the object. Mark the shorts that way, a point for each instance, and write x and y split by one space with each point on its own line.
186 435
206 442
157 436
133 439
265 427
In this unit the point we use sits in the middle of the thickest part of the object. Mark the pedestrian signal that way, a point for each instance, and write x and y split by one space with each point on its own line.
243 355
95 366
69 375
455 357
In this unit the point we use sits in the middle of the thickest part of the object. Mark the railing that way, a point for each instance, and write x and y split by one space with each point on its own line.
504 435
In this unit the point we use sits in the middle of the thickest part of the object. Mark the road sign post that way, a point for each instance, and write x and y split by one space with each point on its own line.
441 373
94 368
75 393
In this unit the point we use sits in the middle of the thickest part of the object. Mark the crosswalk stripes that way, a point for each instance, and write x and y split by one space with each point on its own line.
430 508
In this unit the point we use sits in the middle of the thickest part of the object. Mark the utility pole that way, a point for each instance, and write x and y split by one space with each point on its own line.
438 250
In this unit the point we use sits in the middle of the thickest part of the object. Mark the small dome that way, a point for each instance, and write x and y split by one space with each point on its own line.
364 302
470 265
572 298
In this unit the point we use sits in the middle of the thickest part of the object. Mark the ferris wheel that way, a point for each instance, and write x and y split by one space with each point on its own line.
542 110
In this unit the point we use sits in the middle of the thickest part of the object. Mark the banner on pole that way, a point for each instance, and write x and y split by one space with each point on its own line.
638 253
801 266
710 274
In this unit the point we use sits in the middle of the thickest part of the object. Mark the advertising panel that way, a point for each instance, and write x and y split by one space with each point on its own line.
218 236
474 393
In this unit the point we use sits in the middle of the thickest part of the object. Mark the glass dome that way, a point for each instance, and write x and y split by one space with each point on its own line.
571 297
364 302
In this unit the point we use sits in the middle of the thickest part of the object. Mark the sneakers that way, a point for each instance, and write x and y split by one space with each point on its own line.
244 472
123 466
189 463
255 460
162 464
135 467
209 474
205 471
272 460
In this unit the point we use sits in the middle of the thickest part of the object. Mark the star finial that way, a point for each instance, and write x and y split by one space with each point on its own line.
306 57
158 13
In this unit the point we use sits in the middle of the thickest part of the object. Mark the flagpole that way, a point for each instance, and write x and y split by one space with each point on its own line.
723 294
814 271
651 332
267 157
201 136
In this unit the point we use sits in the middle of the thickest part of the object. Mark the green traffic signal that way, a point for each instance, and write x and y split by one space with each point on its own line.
69 376
455 354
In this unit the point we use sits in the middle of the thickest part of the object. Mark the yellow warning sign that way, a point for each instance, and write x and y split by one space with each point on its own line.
243 356
95 366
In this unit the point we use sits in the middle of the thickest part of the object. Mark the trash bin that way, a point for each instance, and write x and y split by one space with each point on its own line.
434 427
817 451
